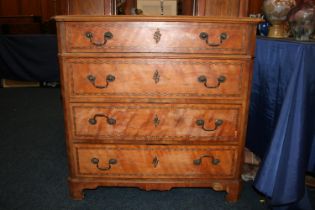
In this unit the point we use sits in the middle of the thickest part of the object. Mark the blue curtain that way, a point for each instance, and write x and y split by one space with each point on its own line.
281 126
29 57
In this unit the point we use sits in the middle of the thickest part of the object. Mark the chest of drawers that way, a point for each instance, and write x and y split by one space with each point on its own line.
155 102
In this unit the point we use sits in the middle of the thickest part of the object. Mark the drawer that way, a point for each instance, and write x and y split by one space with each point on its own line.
179 37
156 122
139 161
166 78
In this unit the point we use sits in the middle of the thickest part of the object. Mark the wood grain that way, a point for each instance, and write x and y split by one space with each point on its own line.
141 37
157 77
153 124
226 8
87 7
172 161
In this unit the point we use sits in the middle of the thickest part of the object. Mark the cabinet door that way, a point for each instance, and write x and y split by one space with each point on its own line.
86 7
233 8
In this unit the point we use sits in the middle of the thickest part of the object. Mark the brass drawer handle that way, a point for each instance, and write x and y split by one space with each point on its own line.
110 163
205 36
217 124
109 120
109 78
107 36
214 160
203 79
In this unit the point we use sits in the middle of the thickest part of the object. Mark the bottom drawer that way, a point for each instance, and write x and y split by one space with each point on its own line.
141 161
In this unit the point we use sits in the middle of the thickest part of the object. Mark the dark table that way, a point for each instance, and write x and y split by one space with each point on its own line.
281 127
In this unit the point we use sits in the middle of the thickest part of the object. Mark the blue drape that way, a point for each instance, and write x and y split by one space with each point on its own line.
281 126
30 57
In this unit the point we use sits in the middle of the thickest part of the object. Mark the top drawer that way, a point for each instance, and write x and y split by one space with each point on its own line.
175 37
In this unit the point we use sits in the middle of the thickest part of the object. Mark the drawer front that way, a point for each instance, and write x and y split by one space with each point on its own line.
160 122
167 78
128 161
156 37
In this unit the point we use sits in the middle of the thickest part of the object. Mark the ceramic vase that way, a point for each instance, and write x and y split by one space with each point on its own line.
276 12
302 20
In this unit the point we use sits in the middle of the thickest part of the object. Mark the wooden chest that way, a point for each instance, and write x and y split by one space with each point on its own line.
155 102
